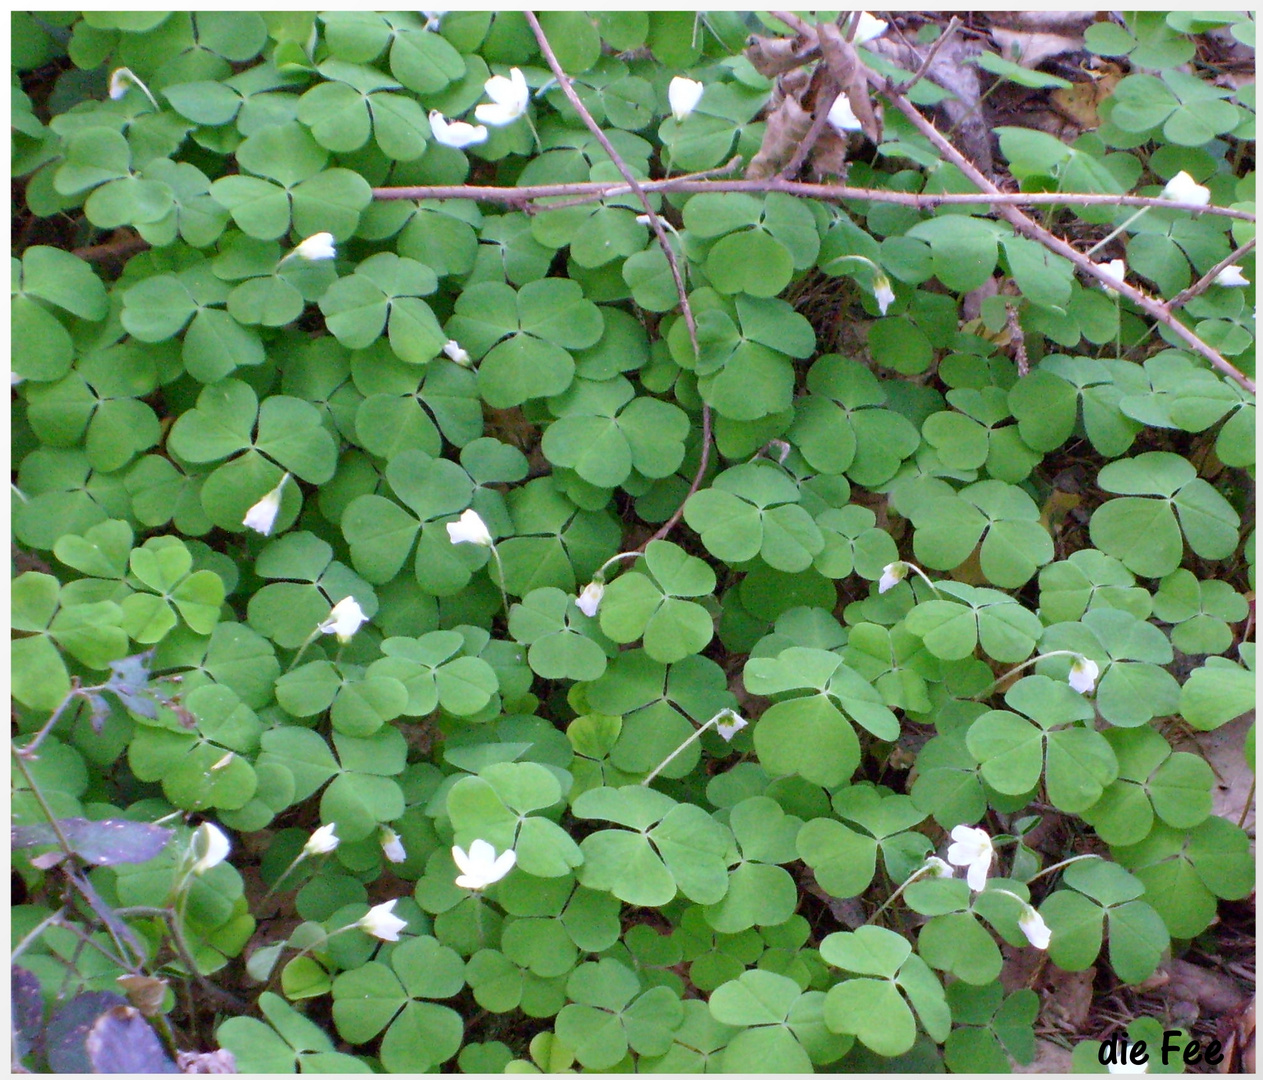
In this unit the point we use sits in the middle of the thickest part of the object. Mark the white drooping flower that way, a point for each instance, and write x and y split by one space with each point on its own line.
120 80
433 19
1083 675
344 619
870 27
456 354
509 98
883 293
1115 270
392 846
317 246
481 867
261 517
937 868
729 723
211 847
972 848
1182 188
843 117
1128 1067
322 841
381 923
589 601
1231 276
455 133
470 529
683 95
891 575
1034 927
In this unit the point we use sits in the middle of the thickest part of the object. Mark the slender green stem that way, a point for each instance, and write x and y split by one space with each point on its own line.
286 873
1101 243
899 891
43 804
600 574
1022 667
504 596
44 924
1057 866
76 692
680 749
1249 802
302 649
921 574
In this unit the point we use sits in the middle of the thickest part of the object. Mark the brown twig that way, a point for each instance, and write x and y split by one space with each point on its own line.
601 193
1025 226
799 26
939 42
516 196
697 482
1208 279
655 222
123 245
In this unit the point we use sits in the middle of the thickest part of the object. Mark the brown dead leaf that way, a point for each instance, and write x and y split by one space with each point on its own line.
1069 997
1032 49
787 126
771 57
1224 751
1082 101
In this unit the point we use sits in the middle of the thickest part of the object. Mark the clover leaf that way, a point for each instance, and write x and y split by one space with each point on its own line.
651 605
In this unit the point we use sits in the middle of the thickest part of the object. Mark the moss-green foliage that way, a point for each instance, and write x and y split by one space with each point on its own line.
531 366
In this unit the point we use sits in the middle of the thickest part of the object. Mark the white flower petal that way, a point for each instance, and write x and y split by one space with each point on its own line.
509 99
317 246
883 293
938 868
1083 675
455 133
729 724
843 117
481 867
322 841
470 529
381 923
392 846
1182 188
456 354
1115 270
683 95
891 575
869 28
1231 276
261 517
1034 927
213 845
589 601
344 619
972 848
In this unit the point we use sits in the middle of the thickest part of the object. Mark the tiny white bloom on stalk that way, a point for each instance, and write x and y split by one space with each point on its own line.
1034 927
381 923
322 841
843 117
509 98
223 762
392 846
972 848
213 845
1115 270
433 19
1083 675
589 601
891 575
683 95
456 354
729 723
1128 1067
883 293
455 133
1182 188
345 618
870 27
261 517
470 529
937 868
643 219
120 80
317 246
1231 276
480 867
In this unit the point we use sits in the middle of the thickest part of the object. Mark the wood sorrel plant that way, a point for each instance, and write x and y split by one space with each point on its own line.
510 480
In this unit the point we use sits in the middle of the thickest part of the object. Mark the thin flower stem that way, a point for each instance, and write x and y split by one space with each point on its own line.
286 873
54 919
1057 866
1208 279
302 649
53 821
1101 243
1021 667
899 892
679 749
500 567
1249 802
76 692
921 573
600 574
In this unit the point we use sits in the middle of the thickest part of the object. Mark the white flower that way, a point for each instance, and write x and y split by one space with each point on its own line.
1115 270
381 923
643 219
729 723
480 867
883 293
937 868
344 619
470 529
843 117
684 94
212 844
869 27
456 354
589 601
1182 188
223 762
456 133
891 575
433 18
322 841
392 846
15 378
1083 674
1034 927
120 80
317 246
1231 276
509 96
261 517
1128 1067
972 848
